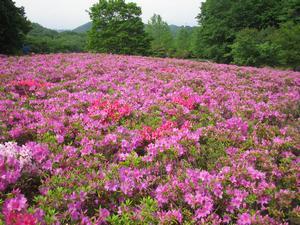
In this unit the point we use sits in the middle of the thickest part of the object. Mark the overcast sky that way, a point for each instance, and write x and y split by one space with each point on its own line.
69 14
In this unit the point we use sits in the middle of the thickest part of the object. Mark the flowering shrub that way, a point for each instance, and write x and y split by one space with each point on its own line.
16 160
25 87
148 134
106 139
15 211
186 98
109 111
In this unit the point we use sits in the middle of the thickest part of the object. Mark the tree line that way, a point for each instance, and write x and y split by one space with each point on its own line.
243 32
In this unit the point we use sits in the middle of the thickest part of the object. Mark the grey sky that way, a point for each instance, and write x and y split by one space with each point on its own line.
69 14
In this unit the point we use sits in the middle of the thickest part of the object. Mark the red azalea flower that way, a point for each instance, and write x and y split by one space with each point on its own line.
16 218
113 110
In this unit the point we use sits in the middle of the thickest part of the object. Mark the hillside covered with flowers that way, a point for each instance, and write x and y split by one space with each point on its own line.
106 139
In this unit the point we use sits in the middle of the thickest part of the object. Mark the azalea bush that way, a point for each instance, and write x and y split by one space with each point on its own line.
107 139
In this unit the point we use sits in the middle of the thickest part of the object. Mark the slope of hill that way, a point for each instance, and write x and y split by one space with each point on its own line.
110 138
38 30
83 28
44 40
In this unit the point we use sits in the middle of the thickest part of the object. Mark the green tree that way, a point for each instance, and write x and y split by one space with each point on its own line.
270 46
13 27
162 43
220 21
255 48
290 11
183 43
117 28
287 38
244 50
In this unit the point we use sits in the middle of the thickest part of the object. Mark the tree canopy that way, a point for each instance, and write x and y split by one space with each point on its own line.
183 42
221 25
117 28
162 39
13 27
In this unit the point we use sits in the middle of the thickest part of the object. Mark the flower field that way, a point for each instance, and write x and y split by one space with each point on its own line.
105 139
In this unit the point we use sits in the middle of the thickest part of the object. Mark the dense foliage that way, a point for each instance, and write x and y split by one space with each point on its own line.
43 40
13 27
271 28
162 43
106 139
117 28
184 42
169 40
273 47
287 39
254 47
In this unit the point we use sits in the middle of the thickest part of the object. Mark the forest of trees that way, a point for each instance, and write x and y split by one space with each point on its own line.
243 32
250 32
43 40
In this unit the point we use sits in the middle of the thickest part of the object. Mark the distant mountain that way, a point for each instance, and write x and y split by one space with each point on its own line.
38 30
44 40
83 28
